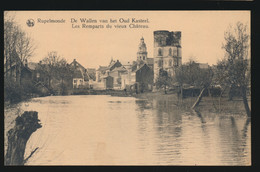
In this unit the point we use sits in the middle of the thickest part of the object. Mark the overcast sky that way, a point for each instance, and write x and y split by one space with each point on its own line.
202 34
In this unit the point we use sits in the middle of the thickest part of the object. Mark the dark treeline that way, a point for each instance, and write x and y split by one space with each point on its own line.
51 75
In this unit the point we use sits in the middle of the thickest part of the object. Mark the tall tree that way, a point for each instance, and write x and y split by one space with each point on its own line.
63 73
48 66
16 39
55 67
164 80
18 48
192 74
236 47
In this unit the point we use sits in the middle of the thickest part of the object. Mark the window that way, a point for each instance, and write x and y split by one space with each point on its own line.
75 81
159 52
160 63
170 62
143 57
170 52
38 75
175 52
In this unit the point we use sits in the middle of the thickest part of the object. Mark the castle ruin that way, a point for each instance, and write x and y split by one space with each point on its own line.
167 52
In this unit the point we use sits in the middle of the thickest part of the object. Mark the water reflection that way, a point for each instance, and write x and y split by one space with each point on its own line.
194 140
233 140
105 130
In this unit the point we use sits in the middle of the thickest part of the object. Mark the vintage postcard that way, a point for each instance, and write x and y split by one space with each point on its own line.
127 88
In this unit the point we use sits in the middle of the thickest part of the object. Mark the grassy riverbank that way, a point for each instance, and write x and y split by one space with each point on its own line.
208 104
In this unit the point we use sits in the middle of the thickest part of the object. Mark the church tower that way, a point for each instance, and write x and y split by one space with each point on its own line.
167 52
142 51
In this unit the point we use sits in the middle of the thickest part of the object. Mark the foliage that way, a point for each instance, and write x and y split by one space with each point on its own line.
234 70
18 48
15 92
12 92
57 70
191 74
164 80
16 39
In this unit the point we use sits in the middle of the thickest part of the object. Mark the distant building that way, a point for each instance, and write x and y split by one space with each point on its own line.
114 70
39 76
104 71
142 77
203 65
18 72
100 72
116 74
140 74
34 67
26 75
142 51
167 52
142 55
78 79
92 73
113 64
81 77
108 82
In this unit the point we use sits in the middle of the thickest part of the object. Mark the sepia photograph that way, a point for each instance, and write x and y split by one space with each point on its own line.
130 87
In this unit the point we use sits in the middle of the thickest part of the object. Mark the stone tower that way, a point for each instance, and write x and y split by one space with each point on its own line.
167 52
142 51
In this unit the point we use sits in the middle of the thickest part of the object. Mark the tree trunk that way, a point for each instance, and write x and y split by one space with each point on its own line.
230 93
199 115
198 99
210 95
219 101
62 86
11 72
6 68
248 111
18 136
181 94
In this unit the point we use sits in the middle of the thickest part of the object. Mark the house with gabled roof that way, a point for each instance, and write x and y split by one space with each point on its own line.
140 73
17 71
101 72
113 64
116 74
139 77
114 69
80 76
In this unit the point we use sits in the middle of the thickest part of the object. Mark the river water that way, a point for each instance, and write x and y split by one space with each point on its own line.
106 130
